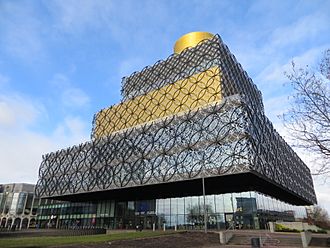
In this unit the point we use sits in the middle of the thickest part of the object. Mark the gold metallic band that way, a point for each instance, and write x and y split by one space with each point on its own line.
183 95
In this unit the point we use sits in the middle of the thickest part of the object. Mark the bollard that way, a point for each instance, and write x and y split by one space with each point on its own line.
328 242
255 242
175 228
153 227
164 227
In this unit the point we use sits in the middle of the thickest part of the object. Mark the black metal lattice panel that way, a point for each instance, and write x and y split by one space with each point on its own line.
273 158
205 142
211 53
219 138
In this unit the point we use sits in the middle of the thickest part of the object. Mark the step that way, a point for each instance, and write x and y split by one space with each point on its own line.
239 239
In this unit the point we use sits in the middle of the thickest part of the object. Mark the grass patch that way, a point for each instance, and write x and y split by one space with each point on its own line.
38 242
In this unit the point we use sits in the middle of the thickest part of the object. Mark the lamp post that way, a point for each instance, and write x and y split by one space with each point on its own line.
205 213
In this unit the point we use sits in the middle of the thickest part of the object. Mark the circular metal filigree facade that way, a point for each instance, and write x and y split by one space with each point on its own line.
204 142
196 114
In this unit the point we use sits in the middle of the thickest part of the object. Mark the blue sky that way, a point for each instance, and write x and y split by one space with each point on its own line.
62 61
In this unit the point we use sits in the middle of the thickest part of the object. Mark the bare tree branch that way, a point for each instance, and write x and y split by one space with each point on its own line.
308 119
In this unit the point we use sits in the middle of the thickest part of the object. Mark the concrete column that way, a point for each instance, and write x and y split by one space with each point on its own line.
28 224
225 237
6 222
306 238
26 199
57 221
271 226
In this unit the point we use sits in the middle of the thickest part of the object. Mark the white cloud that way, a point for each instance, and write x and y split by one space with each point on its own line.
21 32
128 66
275 106
123 22
75 97
304 28
69 19
16 111
71 96
276 42
273 75
71 131
21 147
275 92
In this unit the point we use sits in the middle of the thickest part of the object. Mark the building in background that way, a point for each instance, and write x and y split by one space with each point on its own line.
190 123
18 206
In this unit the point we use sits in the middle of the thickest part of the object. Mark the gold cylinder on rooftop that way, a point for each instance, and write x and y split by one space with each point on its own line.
190 40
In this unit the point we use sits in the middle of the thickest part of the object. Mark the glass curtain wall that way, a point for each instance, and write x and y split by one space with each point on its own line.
245 210
21 202
8 201
2 202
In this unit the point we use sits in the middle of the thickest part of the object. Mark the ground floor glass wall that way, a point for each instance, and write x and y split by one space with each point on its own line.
246 210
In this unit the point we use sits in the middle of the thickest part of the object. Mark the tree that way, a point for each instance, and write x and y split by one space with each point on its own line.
318 216
308 119
196 213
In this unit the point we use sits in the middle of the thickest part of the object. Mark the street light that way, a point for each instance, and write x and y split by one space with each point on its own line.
205 213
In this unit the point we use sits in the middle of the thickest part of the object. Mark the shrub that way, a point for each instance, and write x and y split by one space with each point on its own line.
281 228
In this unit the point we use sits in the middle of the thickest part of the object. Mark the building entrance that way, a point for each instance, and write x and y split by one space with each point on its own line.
147 221
229 220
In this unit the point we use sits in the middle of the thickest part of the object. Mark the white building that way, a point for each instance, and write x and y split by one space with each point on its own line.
18 206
